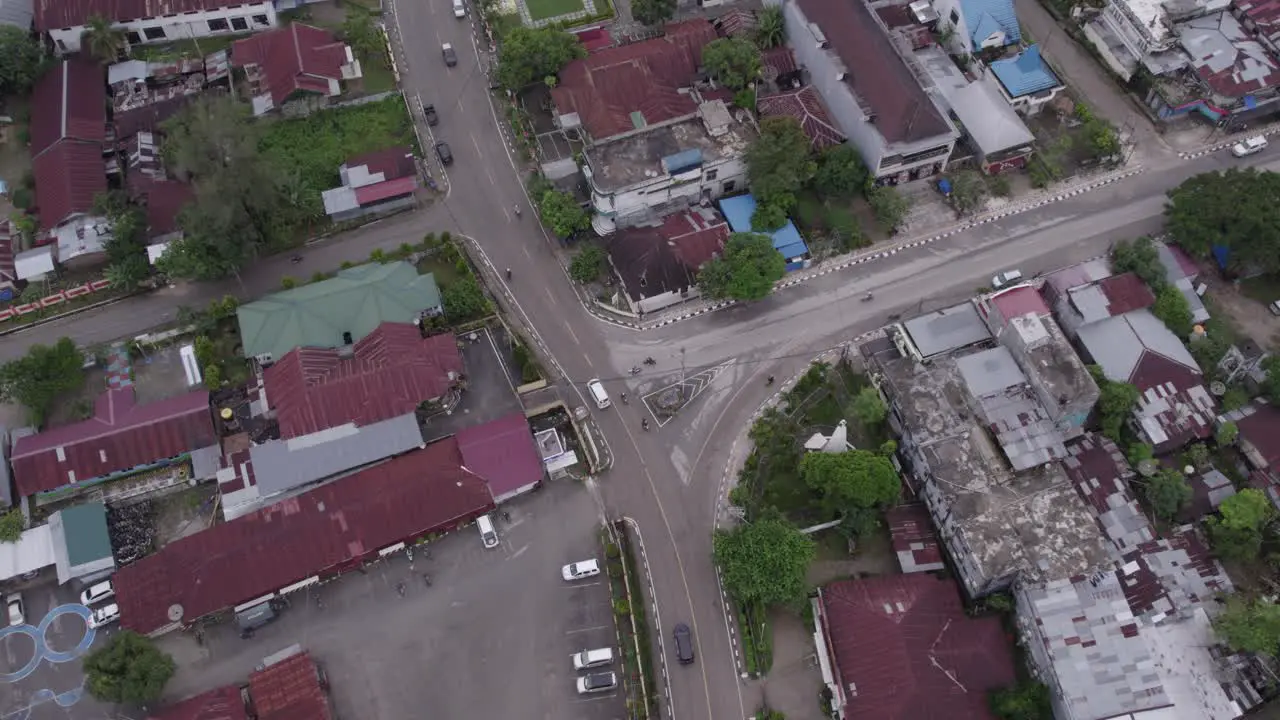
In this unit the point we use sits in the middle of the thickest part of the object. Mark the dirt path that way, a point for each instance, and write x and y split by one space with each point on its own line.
1248 316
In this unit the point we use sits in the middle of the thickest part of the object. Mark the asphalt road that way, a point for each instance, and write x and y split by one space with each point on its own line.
667 480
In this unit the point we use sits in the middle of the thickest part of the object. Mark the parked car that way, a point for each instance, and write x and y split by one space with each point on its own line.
684 644
592 658
597 682
17 616
104 615
488 536
1249 146
450 57
1006 278
581 569
459 9
444 153
430 112
97 593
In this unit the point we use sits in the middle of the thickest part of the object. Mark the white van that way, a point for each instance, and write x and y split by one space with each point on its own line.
1249 146
592 658
596 388
487 534
459 9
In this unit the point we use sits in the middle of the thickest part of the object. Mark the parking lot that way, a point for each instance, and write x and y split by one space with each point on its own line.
490 637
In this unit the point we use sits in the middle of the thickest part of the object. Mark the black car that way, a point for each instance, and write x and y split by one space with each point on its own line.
430 112
450 56
684 644
446 155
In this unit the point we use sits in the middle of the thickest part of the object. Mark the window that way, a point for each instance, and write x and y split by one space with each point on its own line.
218 25
261 20
153 33
710 174
133 38
239 23
955 17
729 186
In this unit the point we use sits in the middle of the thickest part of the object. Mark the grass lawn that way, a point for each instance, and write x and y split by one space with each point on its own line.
377 74
1264 288
543 9
444 271
373 6
185 48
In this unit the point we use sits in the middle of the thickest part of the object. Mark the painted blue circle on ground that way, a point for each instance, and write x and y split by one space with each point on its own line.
37 652
82 647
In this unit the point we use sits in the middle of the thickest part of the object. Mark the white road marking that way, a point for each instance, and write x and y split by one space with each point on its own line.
576 585
525 249
519 552
572 334
590 629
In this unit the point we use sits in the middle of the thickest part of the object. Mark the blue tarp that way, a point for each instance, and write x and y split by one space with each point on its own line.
786 240
1222 254
681 161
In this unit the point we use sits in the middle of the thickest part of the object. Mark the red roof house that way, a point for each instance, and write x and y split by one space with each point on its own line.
68 134
913 538
654 261
325 531
621 89
1259 434
289 690
503 453
372 179
900 647
120 436
389 373
293 59
806 107
224 703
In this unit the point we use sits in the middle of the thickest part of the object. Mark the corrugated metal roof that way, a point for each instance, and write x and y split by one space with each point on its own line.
1118 344
289 690
281 465
985 17
400 187
1025 73
947 329
1100 474
224 703
913 538
69 175
293 59
502 452
786 239
318 532
69 102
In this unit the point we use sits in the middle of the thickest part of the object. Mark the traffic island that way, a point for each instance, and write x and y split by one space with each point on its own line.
666 402
630 622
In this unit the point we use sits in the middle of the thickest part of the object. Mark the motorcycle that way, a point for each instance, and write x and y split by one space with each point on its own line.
644 424
650 361
867 297
400 588
635 370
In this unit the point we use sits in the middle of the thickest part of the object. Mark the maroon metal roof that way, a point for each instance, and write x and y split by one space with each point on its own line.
69 102
8 268
224 703
1261 429
390 373
911 531
294 58
121 435
393 162
1143 589
907 646
149 117
1019 301
606 88
694 238
59 14
806 107
781 59
1190 268
164 200
1098 471
502 452
320 532
377 192
289 690
1126 293
1265 14
876 74
68 177
738 23
656 260
595 39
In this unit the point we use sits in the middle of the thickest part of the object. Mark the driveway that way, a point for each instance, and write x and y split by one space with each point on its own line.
490 638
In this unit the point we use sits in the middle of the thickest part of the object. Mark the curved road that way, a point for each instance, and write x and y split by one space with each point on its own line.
669 479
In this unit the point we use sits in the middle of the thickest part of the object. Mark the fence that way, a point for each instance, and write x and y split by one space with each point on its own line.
54 299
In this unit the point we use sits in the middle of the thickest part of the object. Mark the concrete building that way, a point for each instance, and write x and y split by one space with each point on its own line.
143 23
980 24
1027 81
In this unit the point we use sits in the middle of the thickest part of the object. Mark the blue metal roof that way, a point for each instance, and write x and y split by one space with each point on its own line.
1025 73
681 161
983 17
786 239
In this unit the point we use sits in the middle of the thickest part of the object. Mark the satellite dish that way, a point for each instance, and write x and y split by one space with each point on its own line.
175 612
1218 388
1147 468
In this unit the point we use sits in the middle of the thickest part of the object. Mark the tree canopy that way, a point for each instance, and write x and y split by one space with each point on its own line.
653 12
1168 492
127 262
21 60
868 407
856 479
128 669
1236 533
12 525
968 190
1141 258
1115 401
840 172
1238 209
1250 625
587 265
779 163
771 27
38 378
746 270
1028 700
102 39
1174 311
889 206
562 213
733 62
764 561
527 55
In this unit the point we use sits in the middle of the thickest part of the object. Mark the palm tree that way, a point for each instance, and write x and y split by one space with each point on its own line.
770 28
102 39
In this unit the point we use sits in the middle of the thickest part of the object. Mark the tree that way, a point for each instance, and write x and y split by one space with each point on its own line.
562 213
1115 402
127 274
128 669
840 172
1236 533
771 27
779 163
1250 625
653 12
747 270
21 60
527 55
102 39
868 408
1227 434
889 206
1141 258
38 378
1172 308
587 265
1139 453
12 525
733 62
1028 700
968 191
126 248
768 217
764 561
463 300
1238 209
1168 492
855 479
1198 456
361 33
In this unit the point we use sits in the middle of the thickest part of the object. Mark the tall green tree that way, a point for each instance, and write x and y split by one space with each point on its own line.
129 668
1238 209
361 32
21 60
563 213
40 377
1116 401
840 172
127 262
527 55
587 265
779 163
733 62
747 270
1236 533
1172 308
1142 258
764 561
771 27
653 12
868 407
1028 700
1250 625
12 525
968 190
102 39
889 206
856 479
1168 492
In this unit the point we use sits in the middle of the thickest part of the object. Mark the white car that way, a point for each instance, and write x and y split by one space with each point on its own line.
1006 278
16 615
581 569
459 9
104 615
1249 146
97 593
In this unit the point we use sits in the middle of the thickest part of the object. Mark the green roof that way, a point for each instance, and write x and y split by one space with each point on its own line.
356 301
85 529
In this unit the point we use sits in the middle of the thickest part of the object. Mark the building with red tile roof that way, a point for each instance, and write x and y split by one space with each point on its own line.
622 89
293 60
388 373
805 105
290 689
121 436
321 533
659 265
504 454
374 182
902 648
68 142
914 540
224 703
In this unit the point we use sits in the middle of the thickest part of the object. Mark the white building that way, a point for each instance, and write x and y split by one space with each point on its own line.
979 24
1130 33
65 22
